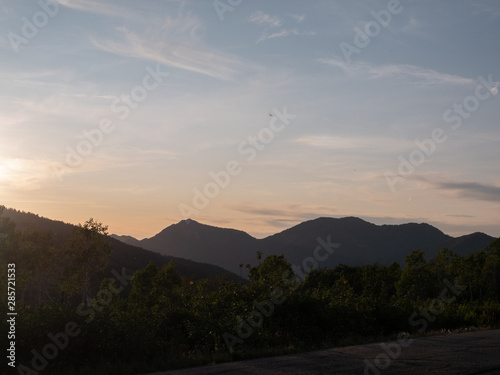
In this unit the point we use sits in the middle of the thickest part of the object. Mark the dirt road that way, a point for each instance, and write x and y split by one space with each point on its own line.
464 353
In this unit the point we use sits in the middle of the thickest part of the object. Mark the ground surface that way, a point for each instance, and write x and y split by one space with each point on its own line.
463 353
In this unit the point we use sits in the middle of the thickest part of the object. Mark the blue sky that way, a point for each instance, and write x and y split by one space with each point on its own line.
151 99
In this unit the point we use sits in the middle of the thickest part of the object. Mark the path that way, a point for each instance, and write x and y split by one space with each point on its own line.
464 353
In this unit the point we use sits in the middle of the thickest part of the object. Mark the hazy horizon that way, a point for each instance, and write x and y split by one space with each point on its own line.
256 116
376 221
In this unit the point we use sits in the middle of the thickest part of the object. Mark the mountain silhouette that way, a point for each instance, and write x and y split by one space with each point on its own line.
203 243
360 242
131 257
201 250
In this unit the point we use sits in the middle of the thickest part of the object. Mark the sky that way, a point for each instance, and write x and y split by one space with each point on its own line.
250 114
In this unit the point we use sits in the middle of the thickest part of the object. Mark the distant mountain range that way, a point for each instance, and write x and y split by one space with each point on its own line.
201 250
360 242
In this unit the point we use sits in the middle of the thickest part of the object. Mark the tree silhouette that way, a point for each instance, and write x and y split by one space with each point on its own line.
87 253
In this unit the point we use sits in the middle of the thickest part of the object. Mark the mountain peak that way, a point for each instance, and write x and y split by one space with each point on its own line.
362 242
188 221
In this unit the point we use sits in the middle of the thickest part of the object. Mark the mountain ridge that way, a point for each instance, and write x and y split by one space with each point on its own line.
207 250
361 242
133 258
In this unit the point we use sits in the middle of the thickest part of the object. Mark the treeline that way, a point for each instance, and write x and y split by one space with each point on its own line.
77 316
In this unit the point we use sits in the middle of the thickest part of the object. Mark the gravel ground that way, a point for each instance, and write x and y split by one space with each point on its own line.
463 353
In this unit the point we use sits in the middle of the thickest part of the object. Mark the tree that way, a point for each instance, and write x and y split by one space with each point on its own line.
7 231
7 227
87 253
7 251
377 282
442 268
415 282
274 272
33 251
471 274
143 283
166 281
491 270
41 274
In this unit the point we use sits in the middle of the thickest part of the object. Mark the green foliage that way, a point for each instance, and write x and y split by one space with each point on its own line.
416 278
167 322
86 254
271 273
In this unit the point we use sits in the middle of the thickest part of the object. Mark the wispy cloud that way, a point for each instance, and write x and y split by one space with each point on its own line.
282 213
98 7
472 190
351 143
157 153
419 75
273 22
283 33
481 7
298 18
176 45
414 27
262 18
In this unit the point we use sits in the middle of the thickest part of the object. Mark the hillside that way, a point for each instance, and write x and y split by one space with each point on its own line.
133 258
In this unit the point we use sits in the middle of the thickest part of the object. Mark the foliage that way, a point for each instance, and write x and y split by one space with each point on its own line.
86 253
163 321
